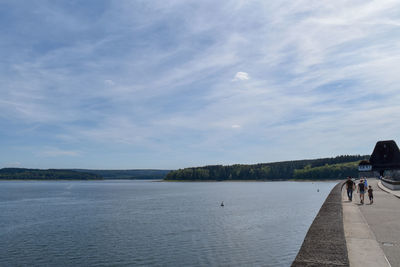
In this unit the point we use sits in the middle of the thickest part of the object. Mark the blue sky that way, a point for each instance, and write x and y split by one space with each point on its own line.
178 83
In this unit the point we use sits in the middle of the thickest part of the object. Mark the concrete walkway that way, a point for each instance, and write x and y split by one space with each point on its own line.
362 246
373 231
383 217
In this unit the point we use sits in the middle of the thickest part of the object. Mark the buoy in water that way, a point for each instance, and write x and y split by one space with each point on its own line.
222 204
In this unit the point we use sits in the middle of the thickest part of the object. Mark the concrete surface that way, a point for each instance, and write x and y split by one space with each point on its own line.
383 218
347 233
324 244
388 190
362 247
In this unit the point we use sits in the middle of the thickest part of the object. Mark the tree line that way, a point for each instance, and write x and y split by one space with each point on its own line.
140 174
51 174
321 169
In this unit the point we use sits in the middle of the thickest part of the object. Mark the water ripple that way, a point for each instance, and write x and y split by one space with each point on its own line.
155 224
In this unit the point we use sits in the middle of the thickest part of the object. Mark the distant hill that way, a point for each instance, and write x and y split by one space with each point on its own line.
312 169
79 174
50 174
128 174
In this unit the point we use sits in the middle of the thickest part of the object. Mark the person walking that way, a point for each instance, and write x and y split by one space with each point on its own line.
361 190
370 195
350 187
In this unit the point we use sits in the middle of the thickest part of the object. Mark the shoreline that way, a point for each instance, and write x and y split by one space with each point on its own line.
283 180
174 181
49 180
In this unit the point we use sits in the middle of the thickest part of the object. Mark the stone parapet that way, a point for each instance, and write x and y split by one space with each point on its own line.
325 243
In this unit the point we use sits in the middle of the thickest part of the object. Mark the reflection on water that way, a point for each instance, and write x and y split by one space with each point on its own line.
142 223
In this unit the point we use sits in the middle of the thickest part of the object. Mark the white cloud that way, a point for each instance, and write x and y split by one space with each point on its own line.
241 76
236 126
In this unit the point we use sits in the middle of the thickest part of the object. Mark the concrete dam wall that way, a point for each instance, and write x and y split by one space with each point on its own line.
325 243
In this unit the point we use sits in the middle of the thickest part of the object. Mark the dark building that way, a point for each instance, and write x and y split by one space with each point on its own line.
384 162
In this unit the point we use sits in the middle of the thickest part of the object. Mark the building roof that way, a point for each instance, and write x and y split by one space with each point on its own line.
364 162
386 156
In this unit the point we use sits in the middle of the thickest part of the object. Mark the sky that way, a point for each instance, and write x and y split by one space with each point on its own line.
172 84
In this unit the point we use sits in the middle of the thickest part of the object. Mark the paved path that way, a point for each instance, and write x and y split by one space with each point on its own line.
371 230
383 217
362 247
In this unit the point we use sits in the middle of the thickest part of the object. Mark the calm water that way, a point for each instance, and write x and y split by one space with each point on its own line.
147 223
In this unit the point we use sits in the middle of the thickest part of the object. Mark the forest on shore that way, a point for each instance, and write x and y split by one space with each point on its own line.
313 169
50 174
137 174
78 174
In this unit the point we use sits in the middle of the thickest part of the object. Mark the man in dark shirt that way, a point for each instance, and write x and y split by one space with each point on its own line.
350 187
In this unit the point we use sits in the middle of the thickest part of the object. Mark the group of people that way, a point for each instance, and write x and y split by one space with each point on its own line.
362 187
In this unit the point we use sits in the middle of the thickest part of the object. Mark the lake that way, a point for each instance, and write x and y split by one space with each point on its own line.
150 223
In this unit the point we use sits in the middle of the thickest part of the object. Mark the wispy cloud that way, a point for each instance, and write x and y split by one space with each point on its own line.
243 81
